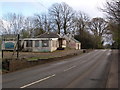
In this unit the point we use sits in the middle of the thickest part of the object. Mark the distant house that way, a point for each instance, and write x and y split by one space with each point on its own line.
47 42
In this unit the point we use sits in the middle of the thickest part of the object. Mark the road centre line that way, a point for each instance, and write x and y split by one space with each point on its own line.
69 68
82 62
108 53
88 54
27 85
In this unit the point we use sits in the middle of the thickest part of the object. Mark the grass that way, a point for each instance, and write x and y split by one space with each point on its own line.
47 57
37 58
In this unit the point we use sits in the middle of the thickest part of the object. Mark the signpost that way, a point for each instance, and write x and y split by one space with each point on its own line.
10 42
18 46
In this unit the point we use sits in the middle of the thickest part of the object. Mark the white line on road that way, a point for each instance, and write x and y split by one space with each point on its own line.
110 50
96 50
108 53
69 68
104 50
37 81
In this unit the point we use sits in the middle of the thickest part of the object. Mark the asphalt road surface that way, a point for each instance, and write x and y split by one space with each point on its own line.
89 70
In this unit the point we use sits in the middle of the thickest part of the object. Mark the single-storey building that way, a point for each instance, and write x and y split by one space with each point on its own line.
47 42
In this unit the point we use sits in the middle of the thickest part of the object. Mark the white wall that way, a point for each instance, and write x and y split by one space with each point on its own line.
78 45
43 49
54 45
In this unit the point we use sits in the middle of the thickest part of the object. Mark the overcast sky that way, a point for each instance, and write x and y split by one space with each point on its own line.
29 7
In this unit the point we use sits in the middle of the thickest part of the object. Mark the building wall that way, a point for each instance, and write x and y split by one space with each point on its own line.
64 44
46 49
74 45
53 45
71 44
78 45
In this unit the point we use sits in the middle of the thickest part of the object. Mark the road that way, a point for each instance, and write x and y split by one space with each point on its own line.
89 70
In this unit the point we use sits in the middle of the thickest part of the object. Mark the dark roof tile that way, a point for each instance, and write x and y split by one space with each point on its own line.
49 35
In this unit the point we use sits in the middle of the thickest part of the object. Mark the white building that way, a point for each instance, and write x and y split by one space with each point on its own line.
47 42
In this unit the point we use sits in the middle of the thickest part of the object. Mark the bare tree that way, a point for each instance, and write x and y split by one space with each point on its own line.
112 9
98 26
46 22
16 22
5 27
38 21
42 23
62 16
39 29
55 14
81 20
30 26
67 17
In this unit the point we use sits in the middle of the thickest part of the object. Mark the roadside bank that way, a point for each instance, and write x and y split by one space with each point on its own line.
113 73
17 64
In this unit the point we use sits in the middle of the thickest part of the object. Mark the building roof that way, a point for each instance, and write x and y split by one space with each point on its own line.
9 35
69 37
75 40
49 35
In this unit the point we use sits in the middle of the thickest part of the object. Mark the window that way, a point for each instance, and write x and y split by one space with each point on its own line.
37 43
45 43
29 43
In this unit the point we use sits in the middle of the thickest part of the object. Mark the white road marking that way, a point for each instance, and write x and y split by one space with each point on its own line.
110 50
108 53
104 50
37 81
69 68
59 63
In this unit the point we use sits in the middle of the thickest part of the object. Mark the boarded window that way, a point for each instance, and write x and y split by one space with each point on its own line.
29 43
45 43
37 43
53 43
